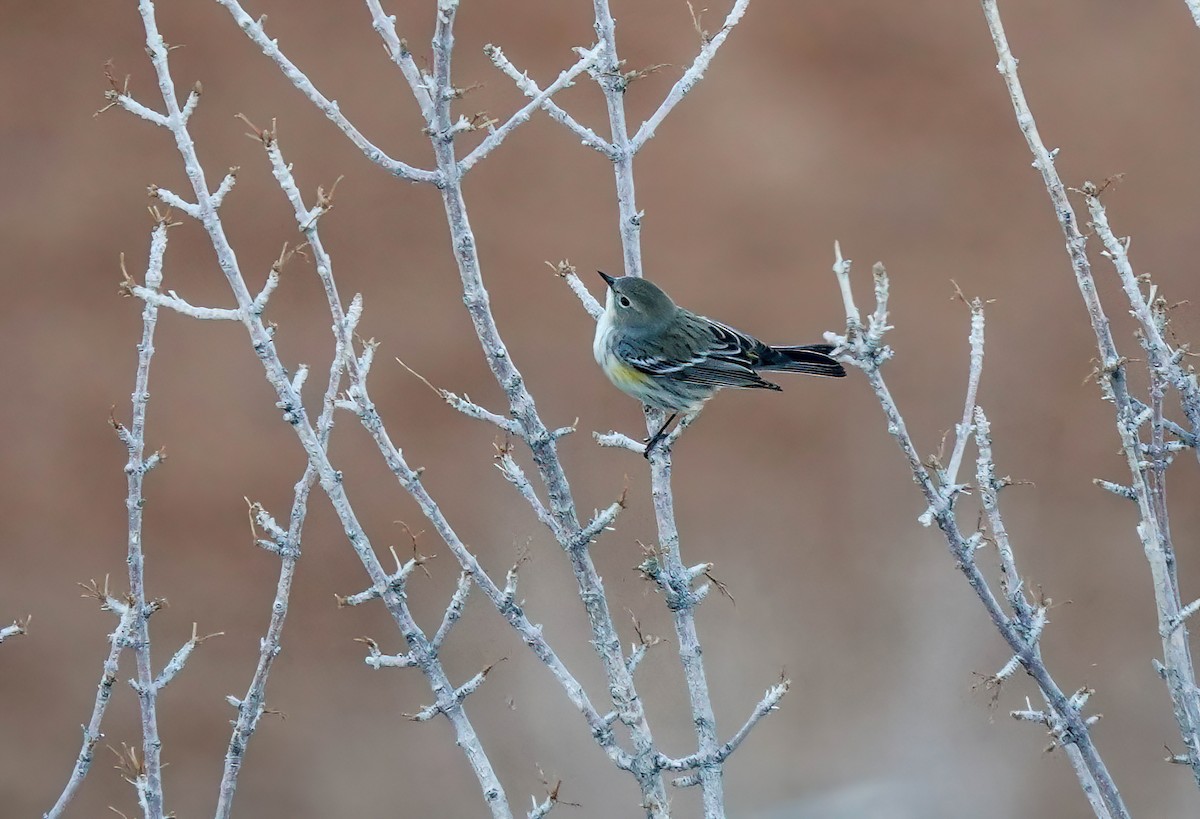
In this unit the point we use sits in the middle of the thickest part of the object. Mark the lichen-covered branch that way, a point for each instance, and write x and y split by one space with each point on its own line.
296 416
614 85
1146 464
435 93
536 434
330 108
691 76
862 346
118 642
493 139
149 783
286 543
716 756
530 88
1194 8
17 628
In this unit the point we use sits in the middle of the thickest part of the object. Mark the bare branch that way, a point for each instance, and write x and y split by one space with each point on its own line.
171 301
769 703
565 79
149 786
454 610
118 640
529 88
17 628
690 77
865 350
224 188
964 428
254 30
177 662
1162 358
1153 530
1194 8
398 51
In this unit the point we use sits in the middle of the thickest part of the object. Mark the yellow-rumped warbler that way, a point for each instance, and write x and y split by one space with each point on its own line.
674 360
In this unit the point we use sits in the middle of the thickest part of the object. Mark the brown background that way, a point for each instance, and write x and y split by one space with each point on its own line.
883 125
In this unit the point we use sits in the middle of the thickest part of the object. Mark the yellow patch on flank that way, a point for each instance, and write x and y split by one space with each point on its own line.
624 376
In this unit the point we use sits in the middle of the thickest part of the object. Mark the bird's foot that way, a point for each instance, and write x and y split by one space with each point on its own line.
653 442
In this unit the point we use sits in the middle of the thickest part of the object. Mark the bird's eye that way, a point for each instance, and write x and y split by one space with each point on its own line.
623 301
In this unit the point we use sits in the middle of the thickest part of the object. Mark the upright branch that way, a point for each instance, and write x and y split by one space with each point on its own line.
286 544
681 597
119 640
434 93
294 413
1022 623
1146 462
149 782
562 514
357 399
613 84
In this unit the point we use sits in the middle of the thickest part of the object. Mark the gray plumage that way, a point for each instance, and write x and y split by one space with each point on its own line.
674 360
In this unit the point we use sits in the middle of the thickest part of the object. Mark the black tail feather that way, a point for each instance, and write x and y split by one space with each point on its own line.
813 359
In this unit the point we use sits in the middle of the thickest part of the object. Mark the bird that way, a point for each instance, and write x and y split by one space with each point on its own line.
674 360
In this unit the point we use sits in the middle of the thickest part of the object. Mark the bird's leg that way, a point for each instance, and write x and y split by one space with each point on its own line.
660 435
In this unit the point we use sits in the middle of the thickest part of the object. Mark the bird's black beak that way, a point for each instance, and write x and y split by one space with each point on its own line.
609 280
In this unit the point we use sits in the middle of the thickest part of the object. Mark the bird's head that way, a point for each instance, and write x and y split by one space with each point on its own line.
636 303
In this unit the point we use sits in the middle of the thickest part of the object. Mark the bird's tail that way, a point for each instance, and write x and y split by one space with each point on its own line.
813 359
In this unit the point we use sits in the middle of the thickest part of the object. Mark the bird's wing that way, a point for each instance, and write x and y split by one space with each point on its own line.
717 355
733 345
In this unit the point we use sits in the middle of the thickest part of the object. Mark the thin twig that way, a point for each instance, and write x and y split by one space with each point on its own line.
565 80
330 108
690 77
118 642
17 628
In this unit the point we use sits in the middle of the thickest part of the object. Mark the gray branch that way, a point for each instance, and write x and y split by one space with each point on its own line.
434 93
535 433
502 599
270 47
1147 474
964 428
359 401
769 703
539 438
252 704
170 301
180 658
149 783
529 88
862 345
224 188
1194 8
295 414
17 628
674 574
690 77
1164 361
454 610
118 641
565 80
398 51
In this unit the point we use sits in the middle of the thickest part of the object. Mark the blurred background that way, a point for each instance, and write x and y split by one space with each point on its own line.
884 126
